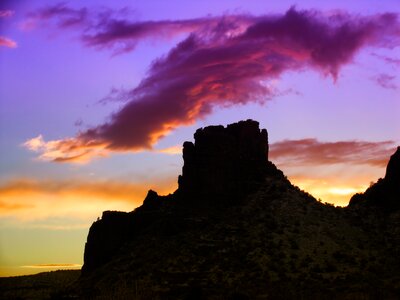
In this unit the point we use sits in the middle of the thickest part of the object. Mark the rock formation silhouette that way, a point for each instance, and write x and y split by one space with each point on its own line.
385 193
224 164
236 228
220 169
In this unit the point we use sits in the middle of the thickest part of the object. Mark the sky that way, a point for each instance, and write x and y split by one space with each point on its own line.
97 97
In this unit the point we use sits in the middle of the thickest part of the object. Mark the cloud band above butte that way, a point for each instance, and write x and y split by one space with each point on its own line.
222 61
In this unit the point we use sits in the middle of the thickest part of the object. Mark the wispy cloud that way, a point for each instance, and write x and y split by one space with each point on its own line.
6 42
173 150
386 81
6 13
388 59
56 150
224 61
313 152
111 29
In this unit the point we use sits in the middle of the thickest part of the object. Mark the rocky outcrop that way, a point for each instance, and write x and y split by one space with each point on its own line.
385 193
224 164
220 169
392 176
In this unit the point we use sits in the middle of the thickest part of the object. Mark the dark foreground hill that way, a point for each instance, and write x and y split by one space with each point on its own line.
46 285
236 228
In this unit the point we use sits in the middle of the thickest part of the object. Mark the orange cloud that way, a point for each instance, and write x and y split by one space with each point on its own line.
174 150
77 151
67 150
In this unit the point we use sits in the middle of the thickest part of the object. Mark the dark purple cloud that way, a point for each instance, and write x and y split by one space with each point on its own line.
313 152
65 16
227 61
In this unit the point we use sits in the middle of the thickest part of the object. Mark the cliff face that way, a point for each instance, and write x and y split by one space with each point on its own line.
236 228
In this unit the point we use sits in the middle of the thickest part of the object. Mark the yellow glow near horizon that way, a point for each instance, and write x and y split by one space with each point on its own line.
46 222
31 270
53 266
345 190
339 195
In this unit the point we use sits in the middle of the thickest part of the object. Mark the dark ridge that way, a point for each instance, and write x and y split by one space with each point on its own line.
236 228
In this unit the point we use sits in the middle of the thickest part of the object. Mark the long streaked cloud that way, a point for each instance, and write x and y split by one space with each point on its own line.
110 29
40 201
223 62
313 152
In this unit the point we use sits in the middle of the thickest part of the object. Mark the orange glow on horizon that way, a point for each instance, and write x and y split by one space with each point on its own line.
29 200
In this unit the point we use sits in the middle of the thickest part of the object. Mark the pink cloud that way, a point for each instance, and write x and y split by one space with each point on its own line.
228 62
6 13
6 42
313 152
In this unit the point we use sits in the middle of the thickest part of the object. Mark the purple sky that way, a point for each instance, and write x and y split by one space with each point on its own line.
95 101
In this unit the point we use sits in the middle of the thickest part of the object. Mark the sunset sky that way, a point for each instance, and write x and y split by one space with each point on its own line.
97 97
